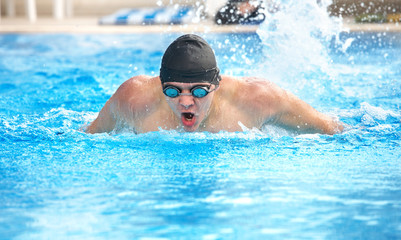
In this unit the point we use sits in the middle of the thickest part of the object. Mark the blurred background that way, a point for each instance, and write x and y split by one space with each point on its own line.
98 8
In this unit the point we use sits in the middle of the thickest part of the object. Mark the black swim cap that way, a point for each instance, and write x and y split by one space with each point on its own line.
189 59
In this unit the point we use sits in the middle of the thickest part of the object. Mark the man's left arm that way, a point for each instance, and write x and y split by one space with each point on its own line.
296 114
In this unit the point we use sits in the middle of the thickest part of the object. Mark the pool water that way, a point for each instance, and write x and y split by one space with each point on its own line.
58 182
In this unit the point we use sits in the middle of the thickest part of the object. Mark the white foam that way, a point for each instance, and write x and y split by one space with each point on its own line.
296 40
377 112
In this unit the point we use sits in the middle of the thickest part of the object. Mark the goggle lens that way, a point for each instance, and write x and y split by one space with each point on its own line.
198 91
171 92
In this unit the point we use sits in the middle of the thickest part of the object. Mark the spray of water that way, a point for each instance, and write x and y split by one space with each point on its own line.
296 36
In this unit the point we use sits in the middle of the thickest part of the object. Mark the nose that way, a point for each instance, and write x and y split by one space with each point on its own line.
186 101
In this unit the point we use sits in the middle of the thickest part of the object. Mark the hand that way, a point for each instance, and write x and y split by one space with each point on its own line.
246 8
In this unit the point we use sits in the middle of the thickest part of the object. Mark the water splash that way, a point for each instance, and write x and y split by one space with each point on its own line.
296 40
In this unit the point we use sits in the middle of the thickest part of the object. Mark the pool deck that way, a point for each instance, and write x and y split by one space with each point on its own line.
90 25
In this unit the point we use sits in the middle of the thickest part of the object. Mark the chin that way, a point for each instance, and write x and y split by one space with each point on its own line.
191 129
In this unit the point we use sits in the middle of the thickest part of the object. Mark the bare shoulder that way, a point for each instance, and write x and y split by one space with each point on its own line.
137 85
268 103
254 94
138 92
134 97
254 85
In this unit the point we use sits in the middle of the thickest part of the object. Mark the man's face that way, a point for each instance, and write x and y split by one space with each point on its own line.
191 110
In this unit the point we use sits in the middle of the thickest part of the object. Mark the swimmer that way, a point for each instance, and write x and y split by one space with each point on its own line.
191 95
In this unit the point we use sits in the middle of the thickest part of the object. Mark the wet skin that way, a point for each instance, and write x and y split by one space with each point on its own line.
191 111
140 104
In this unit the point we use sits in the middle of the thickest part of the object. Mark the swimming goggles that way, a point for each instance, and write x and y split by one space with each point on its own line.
197 91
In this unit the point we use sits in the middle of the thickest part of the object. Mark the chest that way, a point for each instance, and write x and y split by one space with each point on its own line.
225 117
156 121
230 119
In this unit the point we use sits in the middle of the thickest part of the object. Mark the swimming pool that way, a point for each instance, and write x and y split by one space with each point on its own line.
58 182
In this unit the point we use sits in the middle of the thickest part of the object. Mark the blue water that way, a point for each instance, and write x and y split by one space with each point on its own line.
57 182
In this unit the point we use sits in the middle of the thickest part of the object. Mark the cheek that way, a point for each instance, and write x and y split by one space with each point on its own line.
205 104
171 103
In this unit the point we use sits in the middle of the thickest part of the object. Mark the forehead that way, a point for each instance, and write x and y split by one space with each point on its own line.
186 85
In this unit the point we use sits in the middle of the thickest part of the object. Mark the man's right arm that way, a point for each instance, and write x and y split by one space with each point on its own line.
129 101
107 118
105 121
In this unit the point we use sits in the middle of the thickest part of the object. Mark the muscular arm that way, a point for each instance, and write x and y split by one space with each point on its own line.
126 104
105 121
300 116
273 105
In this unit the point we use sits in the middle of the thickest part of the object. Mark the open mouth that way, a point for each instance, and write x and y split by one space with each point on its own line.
188 119
188 116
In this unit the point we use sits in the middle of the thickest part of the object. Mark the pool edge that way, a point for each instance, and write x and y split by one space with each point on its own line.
90 25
